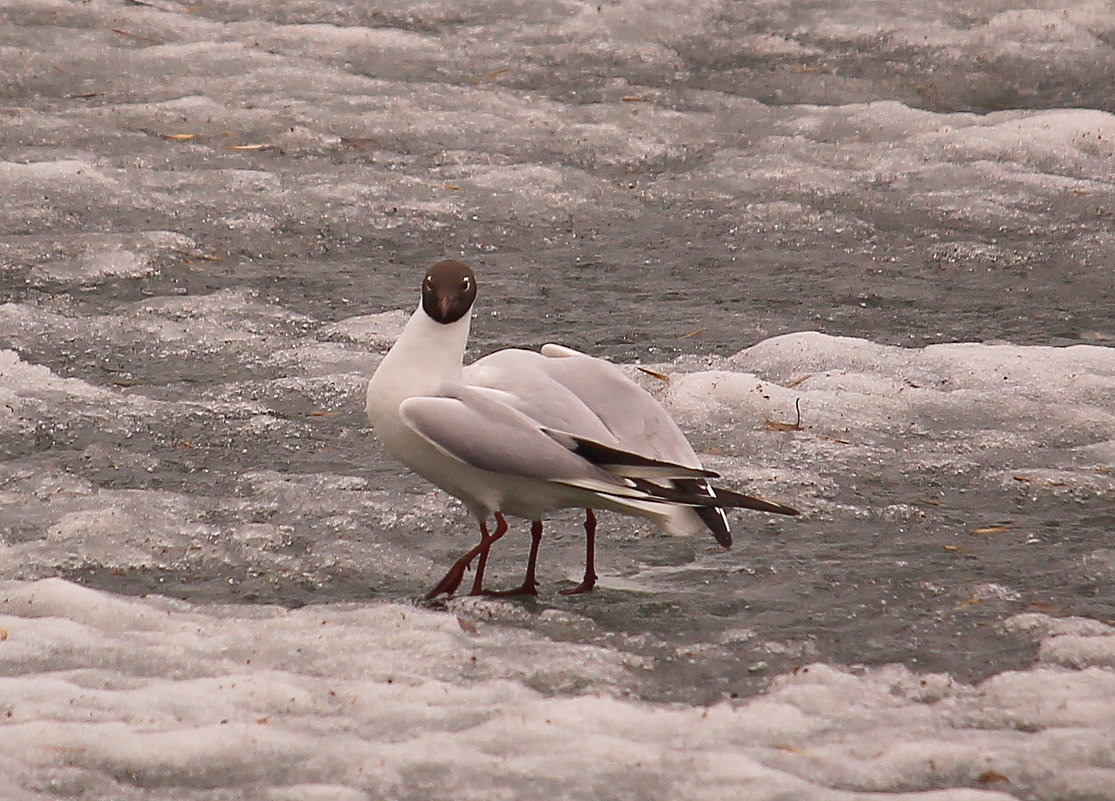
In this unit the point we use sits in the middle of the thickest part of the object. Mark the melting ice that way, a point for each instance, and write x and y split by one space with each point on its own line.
868 246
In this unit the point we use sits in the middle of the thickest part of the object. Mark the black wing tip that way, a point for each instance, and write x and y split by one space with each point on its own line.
758 504
716 522
683 493
600 454
779 508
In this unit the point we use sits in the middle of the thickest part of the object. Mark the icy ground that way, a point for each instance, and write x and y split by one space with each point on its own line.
122 698
894 217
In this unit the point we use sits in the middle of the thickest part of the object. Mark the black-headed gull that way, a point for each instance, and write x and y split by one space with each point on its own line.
527 433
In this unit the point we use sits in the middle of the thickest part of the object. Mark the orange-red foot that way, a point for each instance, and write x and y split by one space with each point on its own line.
452 579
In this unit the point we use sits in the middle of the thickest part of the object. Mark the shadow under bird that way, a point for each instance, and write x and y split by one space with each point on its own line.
524 433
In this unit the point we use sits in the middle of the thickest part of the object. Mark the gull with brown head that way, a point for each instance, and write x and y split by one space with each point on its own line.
523 433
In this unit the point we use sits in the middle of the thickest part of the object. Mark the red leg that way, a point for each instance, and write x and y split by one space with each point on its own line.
590 557
486 545
530 584
456 574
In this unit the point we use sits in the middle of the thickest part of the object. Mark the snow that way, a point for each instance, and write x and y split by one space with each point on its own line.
1014 415
890 218
112 696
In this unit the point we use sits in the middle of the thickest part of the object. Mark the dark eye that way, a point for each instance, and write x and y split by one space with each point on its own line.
466 283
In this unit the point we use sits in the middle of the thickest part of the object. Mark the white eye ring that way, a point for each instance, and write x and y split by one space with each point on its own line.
467 282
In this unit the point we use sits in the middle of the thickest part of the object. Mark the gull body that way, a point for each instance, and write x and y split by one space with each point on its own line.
419 392
517 435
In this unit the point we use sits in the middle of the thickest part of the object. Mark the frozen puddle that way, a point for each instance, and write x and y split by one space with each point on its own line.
130 698
895 640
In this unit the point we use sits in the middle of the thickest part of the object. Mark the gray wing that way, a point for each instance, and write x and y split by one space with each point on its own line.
469 425
478 430
520 378
638 422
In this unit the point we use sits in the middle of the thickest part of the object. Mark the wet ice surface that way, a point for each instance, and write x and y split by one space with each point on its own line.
213 214
116 697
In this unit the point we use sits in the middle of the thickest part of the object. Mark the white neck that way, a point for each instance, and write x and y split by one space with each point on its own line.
426 355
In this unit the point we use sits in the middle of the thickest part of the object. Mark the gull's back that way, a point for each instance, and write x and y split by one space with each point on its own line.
569 391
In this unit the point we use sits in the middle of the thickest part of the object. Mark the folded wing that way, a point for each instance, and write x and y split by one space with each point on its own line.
478 430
